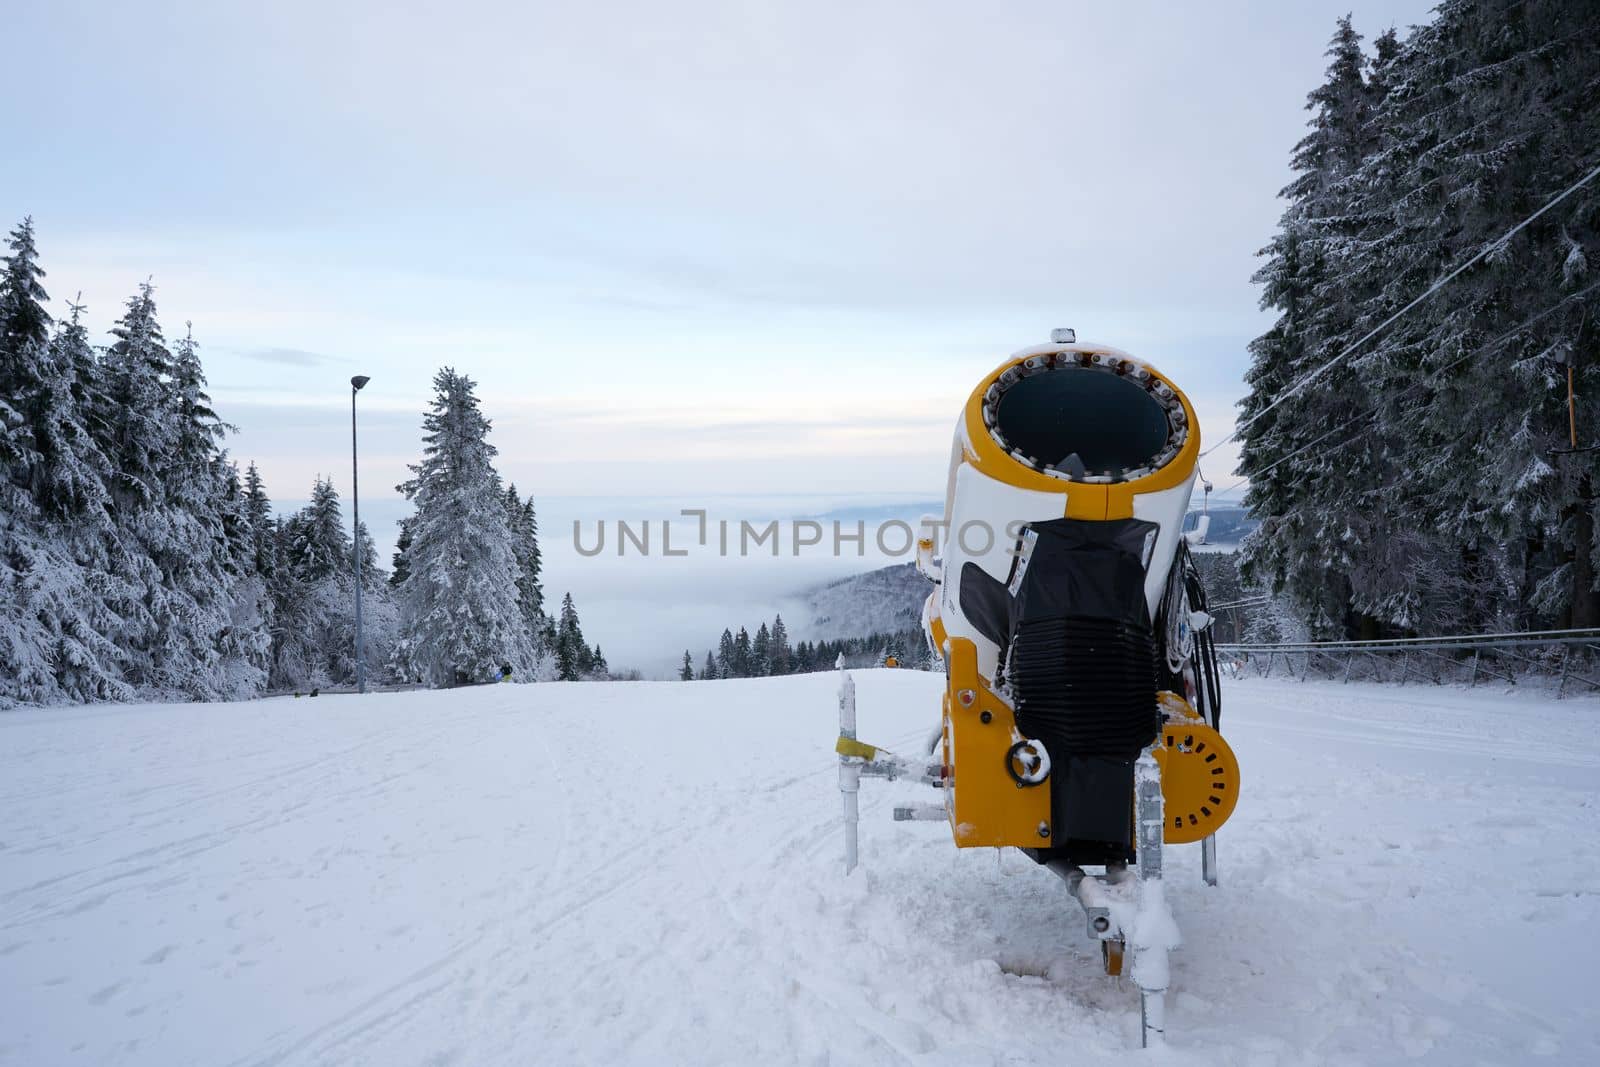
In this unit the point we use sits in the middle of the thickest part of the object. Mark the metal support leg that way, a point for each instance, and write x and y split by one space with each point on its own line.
1208 858
1473 681
1154 935
849 770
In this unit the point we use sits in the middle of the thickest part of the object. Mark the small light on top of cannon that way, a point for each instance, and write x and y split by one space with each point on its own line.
1063 335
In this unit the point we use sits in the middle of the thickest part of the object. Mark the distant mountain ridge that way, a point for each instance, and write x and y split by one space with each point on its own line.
881 601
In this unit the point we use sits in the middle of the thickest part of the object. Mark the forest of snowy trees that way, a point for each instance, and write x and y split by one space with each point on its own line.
136 562
1431 482
769 652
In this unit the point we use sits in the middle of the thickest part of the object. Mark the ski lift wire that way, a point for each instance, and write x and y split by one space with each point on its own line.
1483 252
1475 353
1246 602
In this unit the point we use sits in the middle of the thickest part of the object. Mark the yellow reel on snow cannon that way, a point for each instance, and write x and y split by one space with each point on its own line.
1071 618
1199 776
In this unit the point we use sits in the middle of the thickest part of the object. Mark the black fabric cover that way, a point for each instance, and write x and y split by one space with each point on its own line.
1086 570
1079 653
1077 569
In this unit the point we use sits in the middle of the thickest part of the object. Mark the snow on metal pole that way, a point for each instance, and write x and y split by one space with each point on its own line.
1154 933
849 769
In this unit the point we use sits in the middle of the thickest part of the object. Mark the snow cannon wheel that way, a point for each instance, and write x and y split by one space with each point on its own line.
1111 957
1199 781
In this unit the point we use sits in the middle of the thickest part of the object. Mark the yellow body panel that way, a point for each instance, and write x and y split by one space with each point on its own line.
987 807
939 634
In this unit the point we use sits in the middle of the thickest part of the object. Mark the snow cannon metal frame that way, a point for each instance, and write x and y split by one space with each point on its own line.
1081 708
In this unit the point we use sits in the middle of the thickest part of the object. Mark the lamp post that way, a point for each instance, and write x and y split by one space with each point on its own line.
356 384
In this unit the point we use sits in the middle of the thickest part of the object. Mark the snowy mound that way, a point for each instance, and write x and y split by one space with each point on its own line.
649 873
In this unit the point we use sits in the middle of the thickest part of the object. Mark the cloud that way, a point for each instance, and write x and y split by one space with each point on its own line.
291 357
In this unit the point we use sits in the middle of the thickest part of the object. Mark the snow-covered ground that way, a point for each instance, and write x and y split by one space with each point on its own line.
649 873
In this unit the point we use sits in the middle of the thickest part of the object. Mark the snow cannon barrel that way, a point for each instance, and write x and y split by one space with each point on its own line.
1060 613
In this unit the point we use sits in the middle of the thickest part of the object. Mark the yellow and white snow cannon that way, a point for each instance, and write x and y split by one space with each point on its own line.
1081 707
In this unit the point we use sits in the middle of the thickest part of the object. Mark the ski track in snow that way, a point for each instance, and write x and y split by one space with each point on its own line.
649 873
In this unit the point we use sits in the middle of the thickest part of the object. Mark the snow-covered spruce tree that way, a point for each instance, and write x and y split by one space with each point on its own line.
460 614
573 658
380 614
308 593
761 652
138 426
709 670
67 484
259 550
782 655
25 669
402 545
205 571
23 317
686 672
524 526
544 647
1307 461
246 643
24 332
261 528
314 632
52 516
725 655
138 438
1492 112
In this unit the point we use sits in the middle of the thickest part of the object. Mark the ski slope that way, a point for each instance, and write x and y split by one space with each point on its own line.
649 873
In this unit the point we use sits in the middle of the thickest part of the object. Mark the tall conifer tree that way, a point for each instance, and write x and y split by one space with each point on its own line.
460 616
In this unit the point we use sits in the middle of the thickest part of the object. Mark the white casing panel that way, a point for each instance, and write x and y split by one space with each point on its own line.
992 507
1166 508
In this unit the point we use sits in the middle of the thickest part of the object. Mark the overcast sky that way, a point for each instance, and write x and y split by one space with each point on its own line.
685 248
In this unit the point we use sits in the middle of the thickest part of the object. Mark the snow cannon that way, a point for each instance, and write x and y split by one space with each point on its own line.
1081 707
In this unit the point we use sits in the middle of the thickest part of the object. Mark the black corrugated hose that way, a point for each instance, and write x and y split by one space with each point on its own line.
1208 680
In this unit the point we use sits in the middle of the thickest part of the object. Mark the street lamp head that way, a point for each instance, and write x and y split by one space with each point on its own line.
358 381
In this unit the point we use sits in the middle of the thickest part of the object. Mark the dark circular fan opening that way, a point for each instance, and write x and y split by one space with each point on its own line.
1113 425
